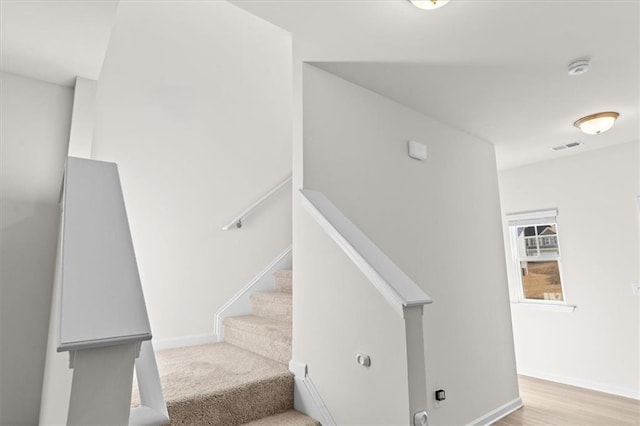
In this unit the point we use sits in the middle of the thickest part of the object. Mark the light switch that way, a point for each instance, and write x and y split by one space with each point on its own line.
417 150
636 288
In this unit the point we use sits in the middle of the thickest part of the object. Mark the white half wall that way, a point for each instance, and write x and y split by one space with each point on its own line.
438 220
196 112
82 118
598 345
34 133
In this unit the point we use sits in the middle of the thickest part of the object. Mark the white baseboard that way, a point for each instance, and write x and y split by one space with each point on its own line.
240 304
500 412
179 342
306 398
581 383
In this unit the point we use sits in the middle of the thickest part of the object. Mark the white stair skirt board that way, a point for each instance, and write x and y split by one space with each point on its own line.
495 415
240 304
180 342
306 398
581 383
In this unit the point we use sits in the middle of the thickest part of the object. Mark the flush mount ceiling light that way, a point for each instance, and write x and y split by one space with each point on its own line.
429 4
595 124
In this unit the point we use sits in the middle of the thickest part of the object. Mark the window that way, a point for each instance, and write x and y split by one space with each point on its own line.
536 271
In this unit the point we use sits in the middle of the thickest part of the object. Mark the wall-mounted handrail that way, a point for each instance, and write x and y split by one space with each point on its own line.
396 286
237 221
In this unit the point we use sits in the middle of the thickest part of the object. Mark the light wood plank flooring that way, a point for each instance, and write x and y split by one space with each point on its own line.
549 403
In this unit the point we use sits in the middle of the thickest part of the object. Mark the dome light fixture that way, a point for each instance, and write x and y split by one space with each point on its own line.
595 124
429 4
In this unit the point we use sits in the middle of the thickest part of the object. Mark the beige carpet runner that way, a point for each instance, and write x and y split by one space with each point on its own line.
243 380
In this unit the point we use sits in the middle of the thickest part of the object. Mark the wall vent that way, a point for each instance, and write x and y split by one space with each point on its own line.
566 146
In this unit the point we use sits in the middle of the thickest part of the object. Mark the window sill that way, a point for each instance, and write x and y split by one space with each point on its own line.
556 307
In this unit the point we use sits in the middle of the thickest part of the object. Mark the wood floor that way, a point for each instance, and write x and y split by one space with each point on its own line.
549 403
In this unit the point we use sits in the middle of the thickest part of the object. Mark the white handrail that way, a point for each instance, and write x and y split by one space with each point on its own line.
98 315
101 295
237 221
396 286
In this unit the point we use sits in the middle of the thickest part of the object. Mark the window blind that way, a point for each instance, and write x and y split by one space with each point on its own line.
532 218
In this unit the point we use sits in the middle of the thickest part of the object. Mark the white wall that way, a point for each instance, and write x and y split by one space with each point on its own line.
34 132
439 220
195 107
598 345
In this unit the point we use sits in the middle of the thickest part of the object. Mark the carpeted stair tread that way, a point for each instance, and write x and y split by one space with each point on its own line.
284 280
274 305
245 379
273 297
221 384
288 418
278 331
263 336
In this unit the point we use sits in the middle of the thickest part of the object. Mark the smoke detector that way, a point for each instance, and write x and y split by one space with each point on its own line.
579 67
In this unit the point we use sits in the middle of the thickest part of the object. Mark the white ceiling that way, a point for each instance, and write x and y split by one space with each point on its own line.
523 110
494 68
53 40
497 69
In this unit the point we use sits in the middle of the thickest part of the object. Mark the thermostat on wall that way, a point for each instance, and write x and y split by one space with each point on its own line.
417 150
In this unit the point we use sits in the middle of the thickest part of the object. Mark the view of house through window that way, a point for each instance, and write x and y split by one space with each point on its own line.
537 253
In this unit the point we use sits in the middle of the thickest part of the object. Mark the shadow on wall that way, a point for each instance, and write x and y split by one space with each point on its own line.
28 241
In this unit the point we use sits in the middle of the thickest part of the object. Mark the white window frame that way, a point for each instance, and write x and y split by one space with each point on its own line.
534 218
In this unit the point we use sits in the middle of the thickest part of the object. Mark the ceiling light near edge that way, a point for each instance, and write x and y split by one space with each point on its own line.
429 4
595 124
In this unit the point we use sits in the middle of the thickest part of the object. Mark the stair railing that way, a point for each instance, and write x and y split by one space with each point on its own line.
402 293
98 316
236 222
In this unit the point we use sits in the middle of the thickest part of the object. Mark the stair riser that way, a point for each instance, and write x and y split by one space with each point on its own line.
259 344
284 282
247 403
288 418
276 311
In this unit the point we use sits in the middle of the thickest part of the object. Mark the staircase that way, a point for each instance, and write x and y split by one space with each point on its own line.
242 380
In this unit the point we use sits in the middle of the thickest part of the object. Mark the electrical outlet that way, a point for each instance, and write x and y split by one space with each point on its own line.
439 396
